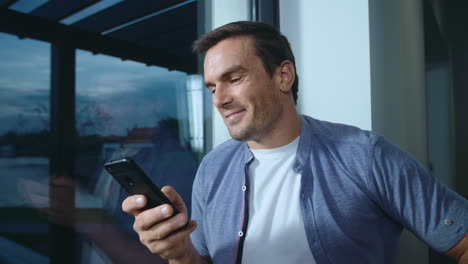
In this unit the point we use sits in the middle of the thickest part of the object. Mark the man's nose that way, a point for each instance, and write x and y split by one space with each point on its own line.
221 97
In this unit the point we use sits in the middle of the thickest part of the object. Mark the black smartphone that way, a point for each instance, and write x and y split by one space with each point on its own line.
135 181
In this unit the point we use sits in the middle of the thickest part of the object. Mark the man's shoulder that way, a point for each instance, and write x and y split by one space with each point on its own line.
353 142
337 133
355 149
347 147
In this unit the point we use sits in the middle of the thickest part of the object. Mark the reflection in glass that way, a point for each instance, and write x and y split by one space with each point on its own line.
24 148
125 108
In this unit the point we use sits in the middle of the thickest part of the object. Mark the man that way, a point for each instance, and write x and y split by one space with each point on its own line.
289 188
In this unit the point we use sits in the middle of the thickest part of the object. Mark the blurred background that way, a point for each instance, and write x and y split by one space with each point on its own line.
86 81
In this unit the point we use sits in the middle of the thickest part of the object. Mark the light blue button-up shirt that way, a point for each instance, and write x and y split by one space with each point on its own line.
358 192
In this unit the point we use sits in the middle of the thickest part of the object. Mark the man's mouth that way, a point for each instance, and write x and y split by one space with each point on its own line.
233 115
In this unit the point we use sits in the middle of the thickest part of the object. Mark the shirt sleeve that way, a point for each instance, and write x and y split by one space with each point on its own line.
198 236
411 195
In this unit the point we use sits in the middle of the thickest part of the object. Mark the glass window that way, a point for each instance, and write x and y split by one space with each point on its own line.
125 108
122 108
24 148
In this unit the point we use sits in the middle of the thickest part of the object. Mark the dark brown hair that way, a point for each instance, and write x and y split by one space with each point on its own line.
271 46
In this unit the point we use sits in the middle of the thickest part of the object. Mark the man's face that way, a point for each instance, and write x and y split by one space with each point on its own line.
246 96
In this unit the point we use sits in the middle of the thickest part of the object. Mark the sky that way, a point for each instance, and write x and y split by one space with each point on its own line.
24 81
130 93
112 95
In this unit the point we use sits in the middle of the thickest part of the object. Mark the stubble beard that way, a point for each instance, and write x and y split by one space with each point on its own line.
241 131
244 133
254 126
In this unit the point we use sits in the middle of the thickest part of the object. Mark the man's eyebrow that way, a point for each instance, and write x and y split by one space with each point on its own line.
233 69
208 84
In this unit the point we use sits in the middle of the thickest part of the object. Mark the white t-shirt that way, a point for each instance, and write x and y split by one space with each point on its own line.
275 233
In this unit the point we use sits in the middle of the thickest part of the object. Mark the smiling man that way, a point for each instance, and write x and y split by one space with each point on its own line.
289 188
255 107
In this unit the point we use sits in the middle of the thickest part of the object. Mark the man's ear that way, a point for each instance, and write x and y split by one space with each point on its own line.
287 74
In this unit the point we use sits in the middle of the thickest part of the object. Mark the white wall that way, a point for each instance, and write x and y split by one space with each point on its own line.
330 40
223 12
361 63
342 47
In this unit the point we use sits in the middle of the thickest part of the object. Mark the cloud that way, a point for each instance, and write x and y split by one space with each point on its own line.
103 75
24 65
25 61
24 86
10 110
130 92
15 102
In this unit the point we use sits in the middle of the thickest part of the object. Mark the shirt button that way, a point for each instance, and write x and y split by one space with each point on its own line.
240 233
244 188
448 222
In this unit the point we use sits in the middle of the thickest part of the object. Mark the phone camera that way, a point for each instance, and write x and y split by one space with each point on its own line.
130 181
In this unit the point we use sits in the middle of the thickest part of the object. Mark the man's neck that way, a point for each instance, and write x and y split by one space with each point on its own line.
286 132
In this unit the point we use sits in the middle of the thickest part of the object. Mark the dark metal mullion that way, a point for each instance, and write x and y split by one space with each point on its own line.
62 117
24 25
204 24
253 10
7 3
266 11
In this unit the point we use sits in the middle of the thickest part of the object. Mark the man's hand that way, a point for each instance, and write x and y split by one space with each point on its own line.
460 251
161 233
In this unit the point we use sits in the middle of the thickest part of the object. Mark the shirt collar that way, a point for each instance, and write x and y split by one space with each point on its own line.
248 156
303 150
305 145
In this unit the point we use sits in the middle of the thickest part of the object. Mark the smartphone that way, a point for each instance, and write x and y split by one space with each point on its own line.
135 181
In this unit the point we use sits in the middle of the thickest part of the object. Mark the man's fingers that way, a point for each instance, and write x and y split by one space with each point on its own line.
164 228
175 198
160 218
134 204
177 236
165 248
157 227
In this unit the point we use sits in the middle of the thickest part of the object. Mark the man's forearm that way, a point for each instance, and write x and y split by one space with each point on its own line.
459 251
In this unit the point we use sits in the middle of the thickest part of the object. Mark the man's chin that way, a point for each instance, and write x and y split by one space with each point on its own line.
241 135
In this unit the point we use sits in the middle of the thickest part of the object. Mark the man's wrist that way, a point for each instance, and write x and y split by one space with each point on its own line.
191 257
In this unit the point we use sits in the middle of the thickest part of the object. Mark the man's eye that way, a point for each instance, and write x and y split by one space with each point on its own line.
211 88
234 80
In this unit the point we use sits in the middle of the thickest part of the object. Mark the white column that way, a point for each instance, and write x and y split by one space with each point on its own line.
330 40
223 12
